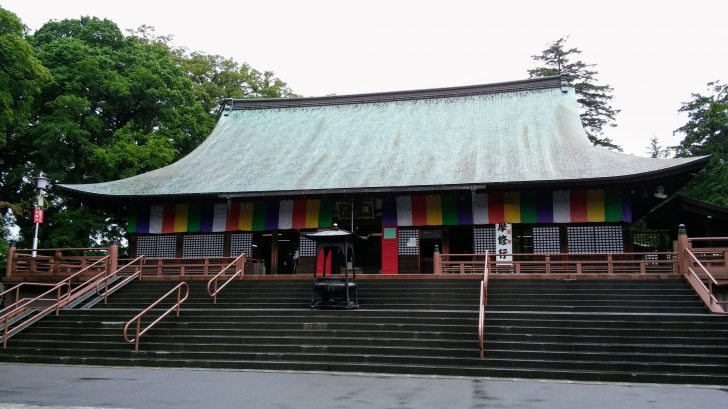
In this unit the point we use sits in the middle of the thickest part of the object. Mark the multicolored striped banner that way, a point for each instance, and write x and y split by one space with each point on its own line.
240 216
430 210
561 206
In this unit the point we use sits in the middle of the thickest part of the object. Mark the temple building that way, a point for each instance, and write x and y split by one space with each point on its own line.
504 167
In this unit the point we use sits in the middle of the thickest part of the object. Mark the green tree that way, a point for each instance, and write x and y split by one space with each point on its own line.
111 106
21 76
655 150
114 107
706 133
594 100
217 78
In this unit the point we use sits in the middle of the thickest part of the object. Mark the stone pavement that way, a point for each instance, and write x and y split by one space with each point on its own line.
44 386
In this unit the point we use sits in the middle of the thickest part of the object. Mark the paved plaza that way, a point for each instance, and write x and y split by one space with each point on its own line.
44 386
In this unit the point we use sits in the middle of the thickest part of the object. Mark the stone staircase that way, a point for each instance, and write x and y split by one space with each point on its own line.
617 330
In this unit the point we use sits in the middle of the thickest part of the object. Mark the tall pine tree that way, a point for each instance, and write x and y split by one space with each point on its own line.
594 100
706 133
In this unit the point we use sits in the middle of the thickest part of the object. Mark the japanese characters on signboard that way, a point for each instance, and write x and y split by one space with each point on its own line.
504 241
38 216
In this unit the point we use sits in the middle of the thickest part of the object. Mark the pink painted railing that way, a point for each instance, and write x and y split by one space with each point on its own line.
238 267
704 284
138 318
184 267
481 310
563 263
53 262
58 296
712 253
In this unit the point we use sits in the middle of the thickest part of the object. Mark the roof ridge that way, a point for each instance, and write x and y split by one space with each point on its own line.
389 96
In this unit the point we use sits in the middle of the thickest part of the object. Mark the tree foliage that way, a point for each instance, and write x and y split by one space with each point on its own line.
21 76
98 105
655 150
706 133
594 100
217 78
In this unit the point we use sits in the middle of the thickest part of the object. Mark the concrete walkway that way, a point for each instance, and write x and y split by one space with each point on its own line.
44 386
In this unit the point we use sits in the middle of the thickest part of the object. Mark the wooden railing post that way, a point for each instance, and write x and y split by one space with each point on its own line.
113 257
610 264
55 269
436 261
682 245
547 261
240 266
11 260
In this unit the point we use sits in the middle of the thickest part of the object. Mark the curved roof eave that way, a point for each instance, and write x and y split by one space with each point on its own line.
524 134
693 166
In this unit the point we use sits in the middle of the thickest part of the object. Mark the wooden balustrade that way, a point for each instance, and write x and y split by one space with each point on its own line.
563 263
55 262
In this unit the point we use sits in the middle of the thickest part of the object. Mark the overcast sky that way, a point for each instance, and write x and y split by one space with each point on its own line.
654 53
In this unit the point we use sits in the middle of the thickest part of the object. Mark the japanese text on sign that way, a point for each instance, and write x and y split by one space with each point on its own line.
38 216
504 241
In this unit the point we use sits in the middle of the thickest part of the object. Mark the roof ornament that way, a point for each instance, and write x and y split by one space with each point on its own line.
660 193
227 102
563 83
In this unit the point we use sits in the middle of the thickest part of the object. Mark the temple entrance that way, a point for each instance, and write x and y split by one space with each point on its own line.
287 251
428 240
459 241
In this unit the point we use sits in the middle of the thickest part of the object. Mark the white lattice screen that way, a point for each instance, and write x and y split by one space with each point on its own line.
595 239
484 240
408 243
546 239
241 243
203 245
157 246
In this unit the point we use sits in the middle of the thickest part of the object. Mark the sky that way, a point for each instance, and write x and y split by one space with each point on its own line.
654 53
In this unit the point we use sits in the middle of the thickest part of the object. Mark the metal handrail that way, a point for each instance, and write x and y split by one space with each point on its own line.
16 288
20 305
239 263
691 239
138 317
105 280
707 289
483 303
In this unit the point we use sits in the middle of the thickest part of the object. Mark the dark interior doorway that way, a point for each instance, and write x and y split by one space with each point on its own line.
428 240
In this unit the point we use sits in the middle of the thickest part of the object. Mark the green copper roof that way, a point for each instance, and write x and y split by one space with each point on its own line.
525 132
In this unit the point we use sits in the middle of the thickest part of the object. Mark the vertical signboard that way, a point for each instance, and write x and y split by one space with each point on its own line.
504 242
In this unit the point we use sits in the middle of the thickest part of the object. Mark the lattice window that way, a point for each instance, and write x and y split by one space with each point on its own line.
307 247
646 241
484 240
608 239
203 245
241 243
580 239
651 241
595 239
408 243
157 246
546 239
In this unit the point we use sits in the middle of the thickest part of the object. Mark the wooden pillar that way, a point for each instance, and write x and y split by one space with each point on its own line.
274 252
682 246
11 260
436 261
240 266
113 257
